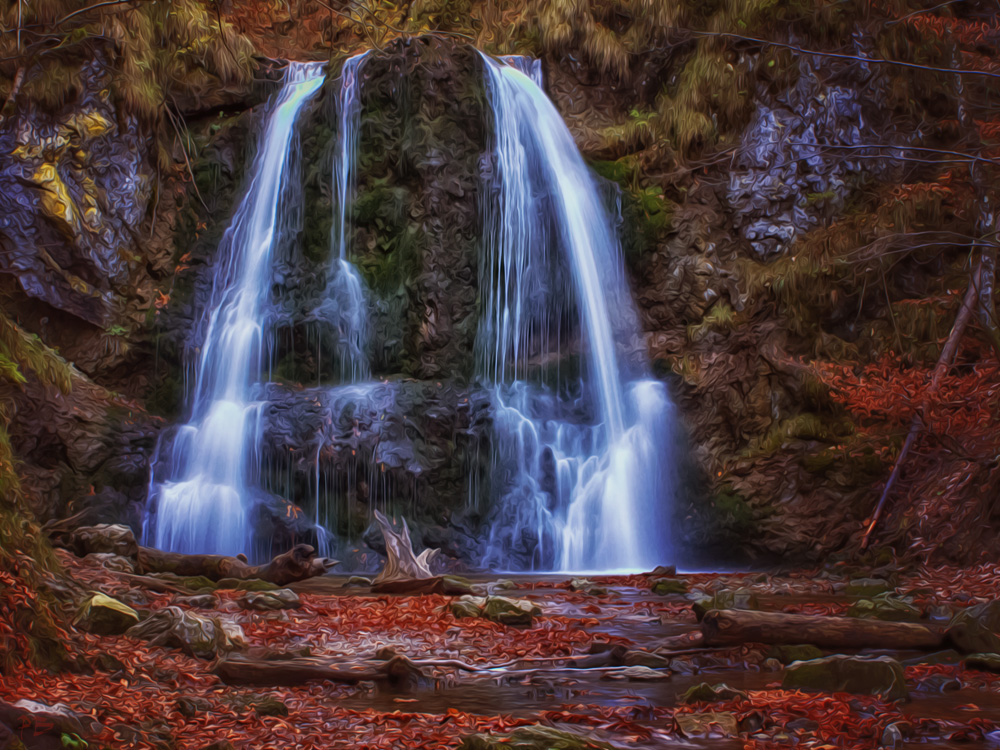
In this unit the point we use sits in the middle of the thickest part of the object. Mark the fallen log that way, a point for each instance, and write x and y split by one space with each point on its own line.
298 563
729 627
242 670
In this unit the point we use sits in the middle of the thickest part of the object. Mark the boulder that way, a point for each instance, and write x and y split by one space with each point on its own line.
878 675
706 693
116 539
517 612
867 587
664 586
204 637
264 601
976 630
536 737
102 615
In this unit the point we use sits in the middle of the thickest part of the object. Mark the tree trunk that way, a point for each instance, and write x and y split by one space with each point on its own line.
401 564
729 627
242 670
298 563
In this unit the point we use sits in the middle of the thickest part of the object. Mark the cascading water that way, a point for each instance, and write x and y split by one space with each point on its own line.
344 304
584 462
200 494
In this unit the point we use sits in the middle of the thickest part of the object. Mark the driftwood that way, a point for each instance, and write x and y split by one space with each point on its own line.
242 670
298 563
401 564
729 627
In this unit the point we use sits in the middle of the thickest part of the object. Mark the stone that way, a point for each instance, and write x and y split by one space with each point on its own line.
198 601
358 581
984 662
102 615
646 659
741 598
204 637
867 587
580 584
975 630
516 612
667 571
637 673
880 675
886 607
264 601
535 737
895 733
505 584
707 693
116 539
42 718
664 586
249 584
786 654
708 724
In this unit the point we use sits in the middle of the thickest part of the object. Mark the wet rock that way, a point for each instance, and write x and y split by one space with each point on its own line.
975 630
786 654
985 662
645 659
867 587
667 571
537 737
102 615
358 581
115 539
505 584
895 733
884 606
190 707
710 693
517 612
270 600
587 587
637 674
198 601
664 586
709 724
879 675
41 718
204 637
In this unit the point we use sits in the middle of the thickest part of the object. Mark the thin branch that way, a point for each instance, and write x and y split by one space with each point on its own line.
844 56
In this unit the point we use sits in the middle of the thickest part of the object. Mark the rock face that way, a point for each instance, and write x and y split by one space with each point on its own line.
848 674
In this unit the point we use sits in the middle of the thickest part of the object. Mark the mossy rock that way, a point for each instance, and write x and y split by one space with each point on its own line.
867 587
880 675
884 607
102 615
786 654
665 586
706 693
250 584
975 630
536 737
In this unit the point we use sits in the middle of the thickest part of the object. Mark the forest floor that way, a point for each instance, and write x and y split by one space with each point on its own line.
157 696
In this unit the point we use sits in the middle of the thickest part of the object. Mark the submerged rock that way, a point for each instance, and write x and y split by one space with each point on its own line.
879 675
103 615
270 600
537 737
205 637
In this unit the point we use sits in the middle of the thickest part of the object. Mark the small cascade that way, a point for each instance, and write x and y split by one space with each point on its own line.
582 448
344 304
199 495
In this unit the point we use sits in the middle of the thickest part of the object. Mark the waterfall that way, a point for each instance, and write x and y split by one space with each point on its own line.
345 303
583 455
201 492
